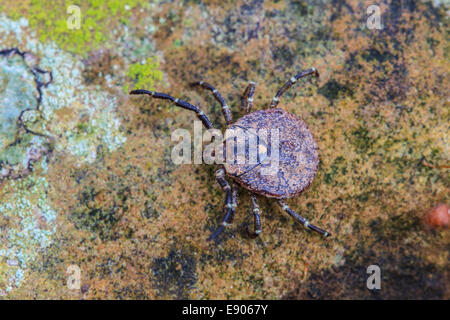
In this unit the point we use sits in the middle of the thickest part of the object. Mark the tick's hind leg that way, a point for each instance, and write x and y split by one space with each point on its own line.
302 220
180 103
247 97
257 219
289 84
225 108
230 202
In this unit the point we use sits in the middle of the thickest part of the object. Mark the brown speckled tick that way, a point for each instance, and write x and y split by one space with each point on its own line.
298 155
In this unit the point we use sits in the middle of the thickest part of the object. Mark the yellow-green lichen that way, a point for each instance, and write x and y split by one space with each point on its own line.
144 75
54 20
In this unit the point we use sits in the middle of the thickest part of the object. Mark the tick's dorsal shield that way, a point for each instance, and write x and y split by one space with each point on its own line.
290 162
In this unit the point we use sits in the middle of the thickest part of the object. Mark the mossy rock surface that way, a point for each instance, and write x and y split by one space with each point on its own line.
106 197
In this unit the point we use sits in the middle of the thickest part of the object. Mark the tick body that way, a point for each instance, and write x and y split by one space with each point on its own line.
297 159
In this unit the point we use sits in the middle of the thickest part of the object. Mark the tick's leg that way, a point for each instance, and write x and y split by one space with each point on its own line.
302 220
257 220
234 201
180 103
247 97
289 84
225 108
234 197
230 202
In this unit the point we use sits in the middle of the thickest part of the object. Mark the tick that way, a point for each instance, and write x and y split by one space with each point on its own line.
298 157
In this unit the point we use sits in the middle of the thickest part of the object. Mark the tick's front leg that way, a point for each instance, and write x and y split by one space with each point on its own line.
247 97
225 108
289 84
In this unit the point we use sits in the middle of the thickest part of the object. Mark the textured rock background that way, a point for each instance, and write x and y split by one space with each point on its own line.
104 195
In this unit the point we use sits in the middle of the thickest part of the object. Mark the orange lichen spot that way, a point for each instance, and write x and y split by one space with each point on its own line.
438 217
